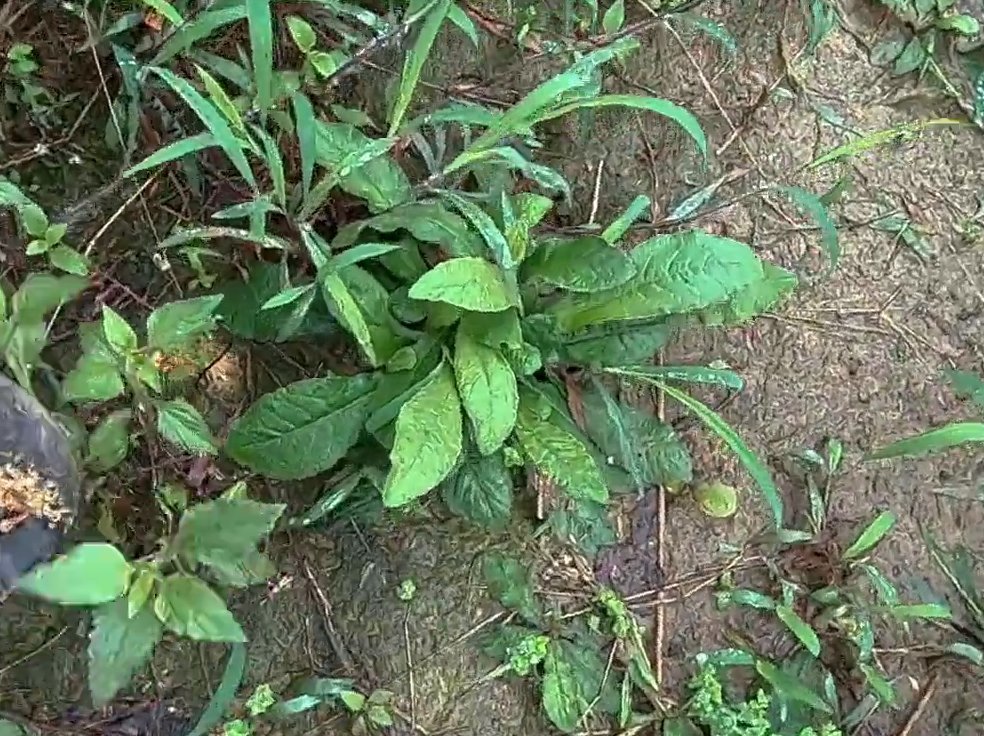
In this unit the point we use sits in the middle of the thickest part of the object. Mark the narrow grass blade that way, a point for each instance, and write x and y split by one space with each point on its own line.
871 536
464 22
413 65
287 296
800 629
812 206
222 101
212 119
626 446
486 227
904 133
226 692
760 474
167 11
789 687
919 610
225 68
362 252
174 151
682 117
685 373
202 26
275 165
636 209
935 440
261 43
878 684
307 137
180 237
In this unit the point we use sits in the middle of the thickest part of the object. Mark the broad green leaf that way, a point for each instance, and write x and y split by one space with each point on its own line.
222 101
261 44
302 429
790 688
616 343
683 373
558 454
614 18
353 161
967 25
636 209
759 296
380 181
801 630
96 376
429 222
176 325
119 646
252 569
182 424
35 220
42 293
109 442
288 296
495 329
676 274
306 126
967 385
481 490
470 283
679 115
212 119
68 260
428 439
347 311
225 693
631 437
587 264
486 226
201 26
756 469
584 524
812 206
142 586
224 531
190 608
488 392
573 680
511 583
302 33
871 536
88 575
117 332
747 597
877 682
413 63
935 440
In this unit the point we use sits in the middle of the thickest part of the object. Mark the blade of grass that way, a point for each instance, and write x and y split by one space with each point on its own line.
275 165
226 692
202 26
871 536
261 43
413 64
935 440
800 629
173 151
222 101
900 134
486 227
212 119
760 474
682 117
307 137
812 206
636 209
686 373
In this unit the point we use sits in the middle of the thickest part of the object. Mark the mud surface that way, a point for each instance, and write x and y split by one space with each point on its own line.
856 354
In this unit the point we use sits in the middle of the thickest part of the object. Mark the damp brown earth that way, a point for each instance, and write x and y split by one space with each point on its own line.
856 354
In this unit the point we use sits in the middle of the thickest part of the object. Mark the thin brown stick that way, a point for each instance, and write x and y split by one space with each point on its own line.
410 678
659 613
33 653
341 651
921 705
597 192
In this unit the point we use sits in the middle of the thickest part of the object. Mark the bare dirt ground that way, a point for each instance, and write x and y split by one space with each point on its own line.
856 354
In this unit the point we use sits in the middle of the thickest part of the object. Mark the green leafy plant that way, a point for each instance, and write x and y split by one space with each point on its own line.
22 90
840 593
135 601
45 238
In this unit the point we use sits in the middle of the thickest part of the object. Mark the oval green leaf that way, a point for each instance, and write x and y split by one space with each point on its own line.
470 283
188 607
585 264
88 575
871 536
487 387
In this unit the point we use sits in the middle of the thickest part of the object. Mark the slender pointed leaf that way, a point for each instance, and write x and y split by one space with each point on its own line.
935 440
174 151
871 536
261 44
413 64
